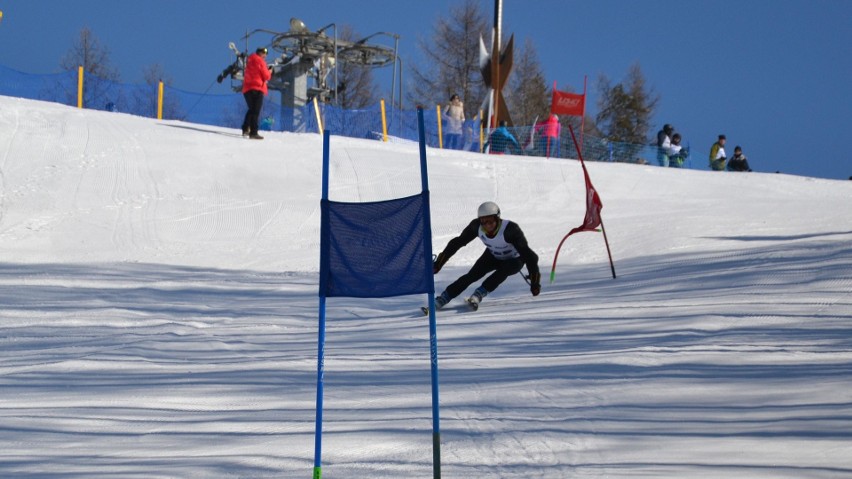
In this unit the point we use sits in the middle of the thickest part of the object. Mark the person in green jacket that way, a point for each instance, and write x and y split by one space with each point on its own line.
717 154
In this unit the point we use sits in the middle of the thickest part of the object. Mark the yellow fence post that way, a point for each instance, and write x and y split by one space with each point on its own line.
384 123
440 135
160 101
481 132
80 87
319 117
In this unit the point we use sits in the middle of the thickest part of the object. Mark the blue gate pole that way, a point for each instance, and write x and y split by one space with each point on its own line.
433 333
321 327
320 373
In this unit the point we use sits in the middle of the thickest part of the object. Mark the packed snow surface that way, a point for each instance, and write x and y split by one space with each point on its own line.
159 314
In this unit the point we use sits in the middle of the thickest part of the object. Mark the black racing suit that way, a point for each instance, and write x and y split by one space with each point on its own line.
487 262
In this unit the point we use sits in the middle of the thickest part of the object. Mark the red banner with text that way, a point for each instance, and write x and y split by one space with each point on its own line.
564 103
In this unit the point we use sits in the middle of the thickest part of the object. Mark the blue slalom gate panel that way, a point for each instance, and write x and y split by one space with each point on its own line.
375 249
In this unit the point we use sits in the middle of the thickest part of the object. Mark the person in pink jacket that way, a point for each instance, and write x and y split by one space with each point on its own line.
256 75
548 132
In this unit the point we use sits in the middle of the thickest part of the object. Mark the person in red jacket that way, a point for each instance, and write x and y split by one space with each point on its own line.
254 89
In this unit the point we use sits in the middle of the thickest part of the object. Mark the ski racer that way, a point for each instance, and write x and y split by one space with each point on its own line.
506 252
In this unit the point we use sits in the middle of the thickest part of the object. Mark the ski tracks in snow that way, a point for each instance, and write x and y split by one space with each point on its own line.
130 189
27 212
8 128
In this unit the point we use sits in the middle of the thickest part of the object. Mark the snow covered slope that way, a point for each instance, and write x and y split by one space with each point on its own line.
158 305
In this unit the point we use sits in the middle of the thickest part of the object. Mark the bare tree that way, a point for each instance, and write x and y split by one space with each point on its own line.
356 88
146 98
98 88
452 59
154 73
625 109
528 95
88 52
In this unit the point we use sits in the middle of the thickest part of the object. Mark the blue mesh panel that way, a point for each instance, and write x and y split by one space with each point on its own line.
374 249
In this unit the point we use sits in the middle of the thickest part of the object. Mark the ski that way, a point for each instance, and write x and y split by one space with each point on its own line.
460 309
471 306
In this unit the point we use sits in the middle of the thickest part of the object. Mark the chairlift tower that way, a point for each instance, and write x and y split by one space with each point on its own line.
300 73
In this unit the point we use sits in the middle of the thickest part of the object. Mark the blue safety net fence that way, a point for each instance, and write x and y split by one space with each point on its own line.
229 110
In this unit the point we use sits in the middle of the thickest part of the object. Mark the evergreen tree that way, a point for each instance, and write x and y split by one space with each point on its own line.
625 109
528 95
452 60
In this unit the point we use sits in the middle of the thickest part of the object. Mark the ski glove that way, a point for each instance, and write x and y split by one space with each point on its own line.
535 283
439 262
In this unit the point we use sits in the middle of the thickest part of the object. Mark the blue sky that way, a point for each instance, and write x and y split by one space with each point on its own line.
773 75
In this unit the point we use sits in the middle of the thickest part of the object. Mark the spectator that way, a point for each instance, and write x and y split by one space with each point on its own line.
454 115
676 153
256 75
739 162
506 253
548 133
717 154
501 140
664 138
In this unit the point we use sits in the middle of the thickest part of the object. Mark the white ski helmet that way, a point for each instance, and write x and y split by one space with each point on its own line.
489 208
